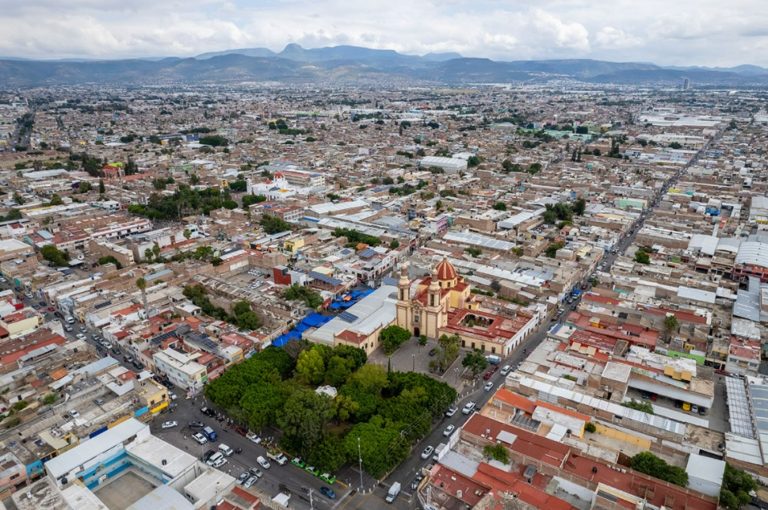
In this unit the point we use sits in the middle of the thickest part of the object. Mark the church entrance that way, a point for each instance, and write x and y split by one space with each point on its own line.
416 332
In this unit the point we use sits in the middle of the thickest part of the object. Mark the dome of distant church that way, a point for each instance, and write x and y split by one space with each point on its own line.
445 270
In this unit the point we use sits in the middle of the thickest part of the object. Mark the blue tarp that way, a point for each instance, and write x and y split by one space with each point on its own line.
313 320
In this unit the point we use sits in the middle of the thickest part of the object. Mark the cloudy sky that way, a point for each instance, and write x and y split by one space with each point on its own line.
669 32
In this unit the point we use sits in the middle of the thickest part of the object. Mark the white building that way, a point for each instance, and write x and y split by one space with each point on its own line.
449 165
181 368
127 466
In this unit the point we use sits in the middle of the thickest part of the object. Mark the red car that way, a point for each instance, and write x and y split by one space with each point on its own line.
488 375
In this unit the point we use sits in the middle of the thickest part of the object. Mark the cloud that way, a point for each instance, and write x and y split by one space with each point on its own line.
684 32
615 38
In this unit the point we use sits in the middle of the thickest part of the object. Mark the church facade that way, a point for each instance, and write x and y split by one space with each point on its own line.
443 304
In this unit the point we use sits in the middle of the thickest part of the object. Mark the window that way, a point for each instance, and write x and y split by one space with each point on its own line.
493 350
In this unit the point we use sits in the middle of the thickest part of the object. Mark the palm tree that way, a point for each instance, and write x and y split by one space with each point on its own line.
141 284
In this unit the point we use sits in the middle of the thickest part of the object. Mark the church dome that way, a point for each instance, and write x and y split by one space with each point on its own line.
445 270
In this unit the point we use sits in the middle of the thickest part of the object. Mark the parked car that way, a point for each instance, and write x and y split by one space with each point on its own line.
327 492
250 481
214 457
196 425
208 411
226 450
199 438
296 461
449 430
256 472
451 411
468 408
488 386
416 481
433 351
488 375
243 477
74 414
220 462
168 424
427 452
263 462
253 437
505 369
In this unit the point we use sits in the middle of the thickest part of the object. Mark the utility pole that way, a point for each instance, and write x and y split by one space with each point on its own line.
360 460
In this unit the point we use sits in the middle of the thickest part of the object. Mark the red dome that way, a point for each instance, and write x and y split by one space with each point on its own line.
445 271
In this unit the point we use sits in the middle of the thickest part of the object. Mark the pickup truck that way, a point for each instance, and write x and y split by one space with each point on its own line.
277 457
392 492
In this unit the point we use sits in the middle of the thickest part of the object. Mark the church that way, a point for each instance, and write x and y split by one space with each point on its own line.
443 304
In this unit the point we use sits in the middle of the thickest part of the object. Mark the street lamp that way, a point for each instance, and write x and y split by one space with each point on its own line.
360 461
414 362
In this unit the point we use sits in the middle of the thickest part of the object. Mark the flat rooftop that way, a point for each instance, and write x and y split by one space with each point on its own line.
121 492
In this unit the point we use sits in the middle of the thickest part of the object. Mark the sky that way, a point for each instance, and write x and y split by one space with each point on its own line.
665 32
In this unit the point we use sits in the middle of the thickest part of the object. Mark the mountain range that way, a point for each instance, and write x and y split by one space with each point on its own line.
356 65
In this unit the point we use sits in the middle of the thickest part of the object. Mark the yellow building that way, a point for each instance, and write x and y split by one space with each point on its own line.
426 311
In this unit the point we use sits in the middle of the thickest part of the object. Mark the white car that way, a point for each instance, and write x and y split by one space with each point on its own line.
74 414
488 386
219 462
263 462
427 452
80 336
168 424
451 411
505 370
449 430
468 408
201 439
213 459
253 437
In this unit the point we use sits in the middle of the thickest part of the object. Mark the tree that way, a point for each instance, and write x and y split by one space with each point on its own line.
338 370
675 145
394 244
273 224
670 324
579 206
304 419
380 443
500 206
141 284
736 488
642 257
449 347
650 464
496 452
54 255
422 340
590 427
392 337
476 361
55 200
18 198
249 200
187 234
310 367
194 179
102 189
214 141
299 293
473 161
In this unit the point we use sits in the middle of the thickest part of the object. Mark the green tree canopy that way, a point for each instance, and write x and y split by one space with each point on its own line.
392 337
650 464
476 361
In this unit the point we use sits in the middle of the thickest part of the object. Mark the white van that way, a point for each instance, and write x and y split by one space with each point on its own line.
226 450
214 458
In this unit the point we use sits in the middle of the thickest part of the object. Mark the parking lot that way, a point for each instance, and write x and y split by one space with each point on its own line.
276 478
